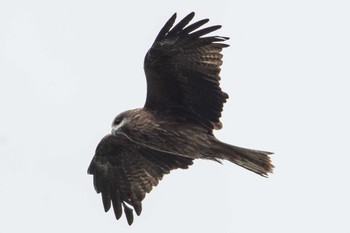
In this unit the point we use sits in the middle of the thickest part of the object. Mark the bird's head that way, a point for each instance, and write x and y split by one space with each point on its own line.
118 122
128 120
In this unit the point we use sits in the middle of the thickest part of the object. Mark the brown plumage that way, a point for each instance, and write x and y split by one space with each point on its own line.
183 106
182 70
125 171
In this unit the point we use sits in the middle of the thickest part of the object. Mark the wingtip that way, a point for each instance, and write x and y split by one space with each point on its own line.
190 16
129 214
166 27
173 17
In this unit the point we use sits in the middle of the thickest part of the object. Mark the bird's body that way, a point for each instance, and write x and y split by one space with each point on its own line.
181 137
164 133
183 106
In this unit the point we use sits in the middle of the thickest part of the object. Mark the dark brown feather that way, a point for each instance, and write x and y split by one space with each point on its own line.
125 171
182 70
193 26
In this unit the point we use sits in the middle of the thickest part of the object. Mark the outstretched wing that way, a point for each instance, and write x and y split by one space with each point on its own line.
182 69
125 171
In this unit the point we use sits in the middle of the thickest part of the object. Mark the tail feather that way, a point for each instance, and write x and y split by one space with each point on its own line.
254 160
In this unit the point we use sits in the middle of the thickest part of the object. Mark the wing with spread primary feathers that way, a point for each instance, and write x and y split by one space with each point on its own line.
125 171
182 69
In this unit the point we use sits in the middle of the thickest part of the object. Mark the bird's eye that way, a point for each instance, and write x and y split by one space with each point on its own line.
117 121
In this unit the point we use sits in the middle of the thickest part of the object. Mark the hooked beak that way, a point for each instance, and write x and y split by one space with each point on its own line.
117 128
114 130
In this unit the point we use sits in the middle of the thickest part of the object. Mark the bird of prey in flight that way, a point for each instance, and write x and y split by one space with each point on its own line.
183 106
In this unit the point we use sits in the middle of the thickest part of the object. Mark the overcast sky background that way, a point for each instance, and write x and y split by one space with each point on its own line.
68 67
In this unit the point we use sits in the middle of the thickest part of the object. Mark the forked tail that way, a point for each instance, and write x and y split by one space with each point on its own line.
253 160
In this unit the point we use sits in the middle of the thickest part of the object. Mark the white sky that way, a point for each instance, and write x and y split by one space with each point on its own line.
67 68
